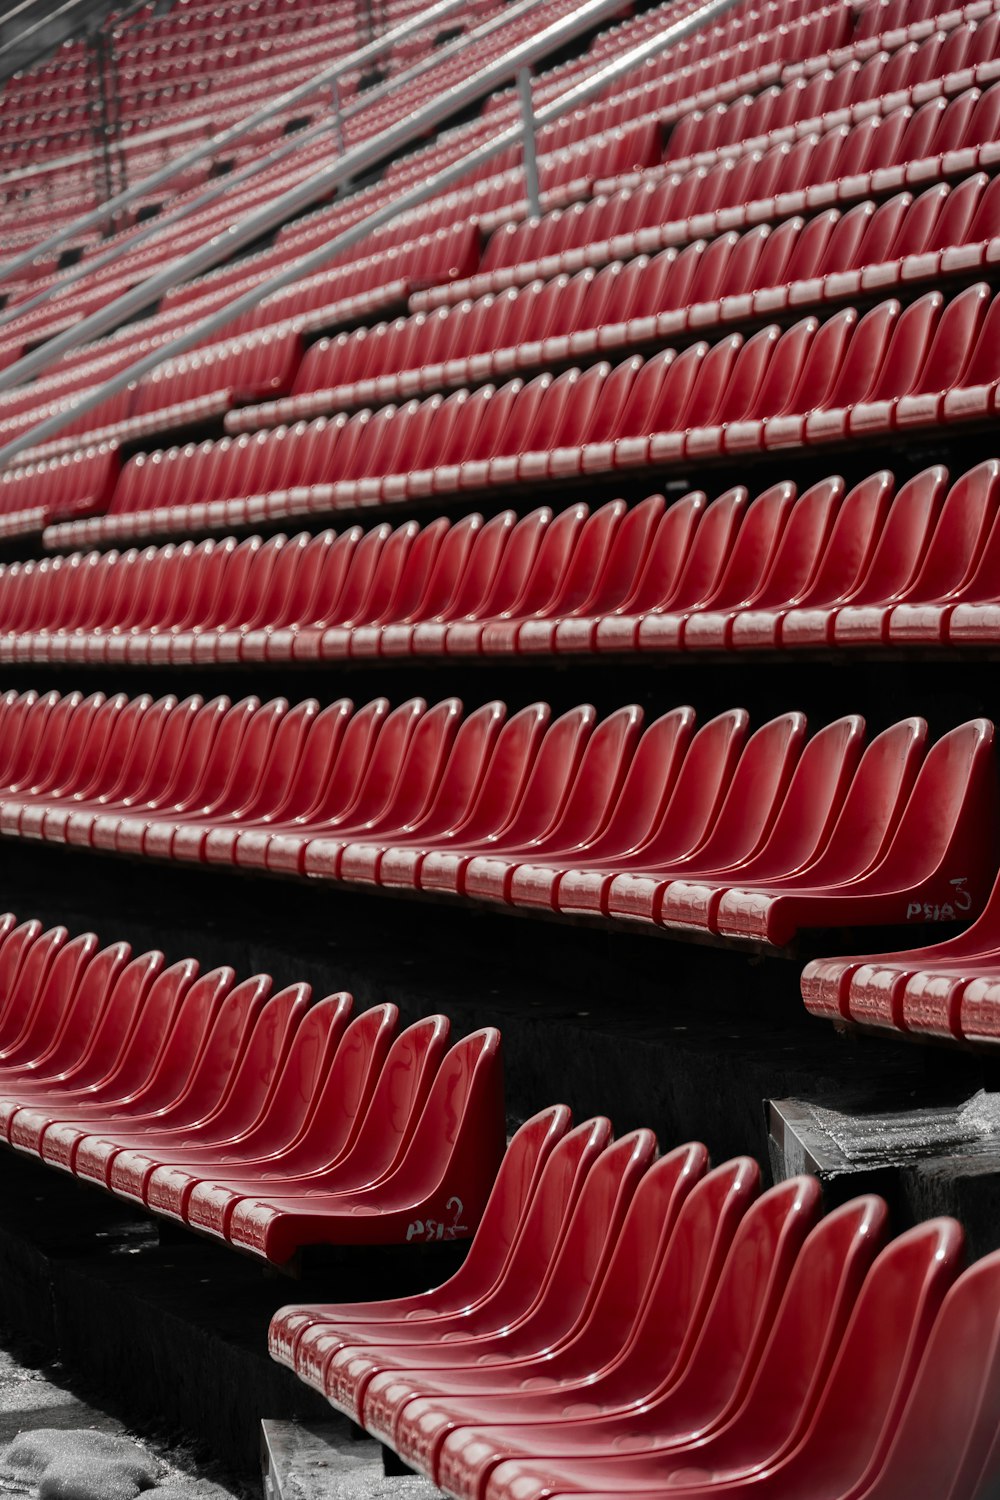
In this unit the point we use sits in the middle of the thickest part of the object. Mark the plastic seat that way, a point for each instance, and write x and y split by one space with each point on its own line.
438 1189
603 767
293 1049
914 879
798 835
540 792
685 1386
331 1359
895 562
516 1181
647 783
361 1145
855 531
739 830
457 793
898 1307
808 1326
404 793
684 823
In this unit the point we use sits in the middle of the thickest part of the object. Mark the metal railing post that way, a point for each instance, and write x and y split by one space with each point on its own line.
338 116
531 189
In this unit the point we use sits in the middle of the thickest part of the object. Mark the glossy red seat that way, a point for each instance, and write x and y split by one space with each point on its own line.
687 1385
330 1359
590 803
748 806
647 784
294 1049
854 533
491 1385
920 871
516 1181
685 818
355 1149
799 834
732 553
565 1301
401 796
793 1366
211 1016
845 1444
152 1081
458 791
437 1190
532 806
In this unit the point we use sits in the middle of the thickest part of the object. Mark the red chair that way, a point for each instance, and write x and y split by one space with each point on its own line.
895 1314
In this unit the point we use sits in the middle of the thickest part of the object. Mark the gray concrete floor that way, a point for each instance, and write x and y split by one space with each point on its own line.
55 1445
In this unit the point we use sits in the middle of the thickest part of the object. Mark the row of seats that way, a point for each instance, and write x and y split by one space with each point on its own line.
268 1119
244 75
934 363
801 264
832 567
693 828
365 117
74 294
727 122
209 381
947 990
820 44
951 60
838 14
625 1324
180 393
35 493
944 65
453 213
878 155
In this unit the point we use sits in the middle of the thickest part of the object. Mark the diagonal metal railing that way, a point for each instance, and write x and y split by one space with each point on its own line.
358 59
240 177
351 165
488 78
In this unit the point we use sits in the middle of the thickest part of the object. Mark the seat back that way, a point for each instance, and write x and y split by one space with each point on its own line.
659 572
343 1092
899 551
854 536
397 1100
869 815
702 783
945 1441
755 794
684 1281
457 1145
856 1417
711 547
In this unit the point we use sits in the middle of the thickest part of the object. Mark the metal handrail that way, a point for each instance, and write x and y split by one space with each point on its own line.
16 42
352 165
45 20
77 158
364 55
221 185
508 67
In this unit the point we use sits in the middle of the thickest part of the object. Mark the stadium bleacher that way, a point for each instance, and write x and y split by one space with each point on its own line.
648 588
